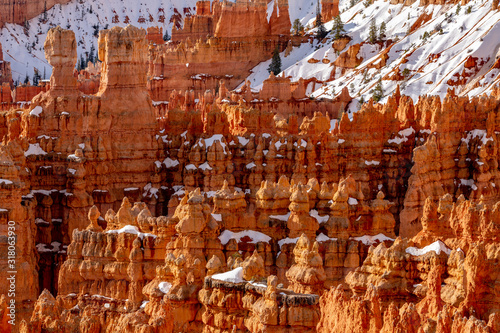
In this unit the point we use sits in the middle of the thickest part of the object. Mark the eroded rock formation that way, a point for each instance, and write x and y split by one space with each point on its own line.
222 41
20 12
252 211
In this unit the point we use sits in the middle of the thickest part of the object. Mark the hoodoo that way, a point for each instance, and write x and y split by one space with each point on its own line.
157 173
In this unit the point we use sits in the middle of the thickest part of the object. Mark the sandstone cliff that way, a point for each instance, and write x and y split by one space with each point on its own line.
19 12
143 208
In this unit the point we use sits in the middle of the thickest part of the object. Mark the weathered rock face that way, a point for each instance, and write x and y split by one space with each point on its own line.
6 84
60 52
122 263
226 183
433 286
222 42
256 307
307 276
62 143
462 151
17 242
329 9
5 72
19 12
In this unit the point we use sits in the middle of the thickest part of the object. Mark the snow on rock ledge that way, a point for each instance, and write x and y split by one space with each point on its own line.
34 149
234 276
437 247
320 218
255 236
369 240
130 229
164 287
36 111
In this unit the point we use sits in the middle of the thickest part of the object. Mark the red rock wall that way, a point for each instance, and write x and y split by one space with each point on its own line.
70 151
20 11
329 9
222 43
5 71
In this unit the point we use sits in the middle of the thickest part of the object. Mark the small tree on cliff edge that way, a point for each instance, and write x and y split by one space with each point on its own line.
378 92
275 65
372 35
338 28
297 28
166 36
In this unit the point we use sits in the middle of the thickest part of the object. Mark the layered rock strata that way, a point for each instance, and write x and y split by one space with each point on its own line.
222 41
426 171
20 12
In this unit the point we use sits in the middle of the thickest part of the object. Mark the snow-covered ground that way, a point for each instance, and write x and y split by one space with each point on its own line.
23 48
430 62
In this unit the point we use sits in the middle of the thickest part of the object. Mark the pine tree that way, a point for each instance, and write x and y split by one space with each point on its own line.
275 65
321 32
458 9
45 11
92 58
81 63
406 73
27 79
381 33
297 28
338 28
166 36
372 36
96 30
378 92
36 77
361 102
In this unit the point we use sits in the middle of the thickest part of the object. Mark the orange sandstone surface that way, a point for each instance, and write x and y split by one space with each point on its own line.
243 211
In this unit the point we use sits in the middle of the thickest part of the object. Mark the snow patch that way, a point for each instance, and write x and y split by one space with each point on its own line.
320 218
170 163
255 236
130 229
287 240
437 247
369 240
250 165
205 166
324 238
34 149
164 287
280 217
234 276
36 111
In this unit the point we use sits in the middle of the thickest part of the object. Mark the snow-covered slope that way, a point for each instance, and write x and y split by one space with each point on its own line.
431 62
23 48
